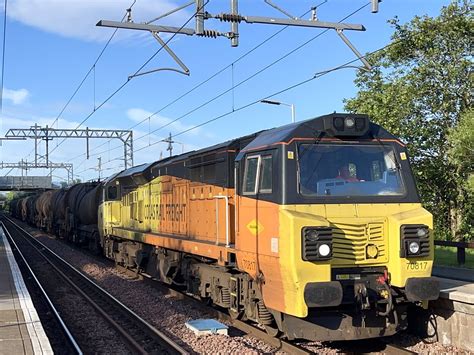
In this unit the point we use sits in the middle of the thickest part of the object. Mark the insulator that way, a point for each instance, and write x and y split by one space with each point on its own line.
231 18
209 33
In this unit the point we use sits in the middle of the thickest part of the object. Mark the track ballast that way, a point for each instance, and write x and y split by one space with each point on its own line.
61 279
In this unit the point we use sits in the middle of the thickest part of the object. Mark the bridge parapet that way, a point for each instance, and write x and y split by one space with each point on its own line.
25 182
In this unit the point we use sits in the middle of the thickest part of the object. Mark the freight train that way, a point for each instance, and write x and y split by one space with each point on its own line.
314 230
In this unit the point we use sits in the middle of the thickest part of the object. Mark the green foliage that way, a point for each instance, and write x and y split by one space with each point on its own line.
461 147
418 89
11 195
461 156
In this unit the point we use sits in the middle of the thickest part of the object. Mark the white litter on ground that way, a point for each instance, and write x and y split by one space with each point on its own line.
206 327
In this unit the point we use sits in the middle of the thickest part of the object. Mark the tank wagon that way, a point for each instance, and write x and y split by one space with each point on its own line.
314 230
81 214
43 206
57 213
15 207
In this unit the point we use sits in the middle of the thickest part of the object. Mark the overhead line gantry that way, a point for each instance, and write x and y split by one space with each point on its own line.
47 134
234 18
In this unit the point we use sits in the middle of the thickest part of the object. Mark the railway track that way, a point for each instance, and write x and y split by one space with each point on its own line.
376 345
138 335
246 328
58 333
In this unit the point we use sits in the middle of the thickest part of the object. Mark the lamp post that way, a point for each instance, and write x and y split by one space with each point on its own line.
271 102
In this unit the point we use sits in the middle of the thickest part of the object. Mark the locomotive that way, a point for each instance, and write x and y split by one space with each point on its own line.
314 230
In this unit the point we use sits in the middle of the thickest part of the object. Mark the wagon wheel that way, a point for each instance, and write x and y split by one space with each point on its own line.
94 244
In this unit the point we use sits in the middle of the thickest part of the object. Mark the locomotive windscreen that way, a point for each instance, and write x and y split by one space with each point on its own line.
349 170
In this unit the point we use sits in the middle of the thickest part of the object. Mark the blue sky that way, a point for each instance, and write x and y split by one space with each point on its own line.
51 44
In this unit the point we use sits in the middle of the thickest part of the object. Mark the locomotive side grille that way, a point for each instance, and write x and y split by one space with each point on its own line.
351 242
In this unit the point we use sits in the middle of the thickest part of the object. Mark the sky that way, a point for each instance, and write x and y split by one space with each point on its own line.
51 46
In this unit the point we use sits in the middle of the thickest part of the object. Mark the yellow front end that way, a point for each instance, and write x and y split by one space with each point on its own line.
363 235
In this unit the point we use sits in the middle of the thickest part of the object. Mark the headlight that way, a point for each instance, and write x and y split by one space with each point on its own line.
349 122
414 247
324 250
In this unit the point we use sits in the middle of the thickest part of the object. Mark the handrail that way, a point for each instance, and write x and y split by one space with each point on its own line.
449 243
226 198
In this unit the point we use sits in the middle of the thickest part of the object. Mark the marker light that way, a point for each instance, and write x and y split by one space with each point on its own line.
324 250
339 123
414 247
422 232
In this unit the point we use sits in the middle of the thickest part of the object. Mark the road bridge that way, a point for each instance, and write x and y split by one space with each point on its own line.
25 183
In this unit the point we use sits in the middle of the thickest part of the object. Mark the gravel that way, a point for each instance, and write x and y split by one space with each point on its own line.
169 313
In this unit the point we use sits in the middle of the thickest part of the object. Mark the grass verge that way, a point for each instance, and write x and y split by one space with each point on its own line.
447 256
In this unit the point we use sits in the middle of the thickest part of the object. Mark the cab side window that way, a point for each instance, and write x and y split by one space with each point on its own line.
251 175
266 180
258 175
112 193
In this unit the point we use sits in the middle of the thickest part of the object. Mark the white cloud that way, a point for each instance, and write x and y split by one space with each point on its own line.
21 122
16 96
78 18
138 115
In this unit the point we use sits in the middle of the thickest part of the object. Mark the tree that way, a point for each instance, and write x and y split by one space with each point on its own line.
461 155
418 88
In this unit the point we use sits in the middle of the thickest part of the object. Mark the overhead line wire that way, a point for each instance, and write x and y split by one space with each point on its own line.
220 71
92 68
129 78
315 76
233 87
249 77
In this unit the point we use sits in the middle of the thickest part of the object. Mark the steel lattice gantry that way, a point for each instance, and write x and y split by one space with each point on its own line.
47 133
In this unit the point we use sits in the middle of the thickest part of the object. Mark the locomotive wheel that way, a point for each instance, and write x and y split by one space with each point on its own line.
272 330
234 314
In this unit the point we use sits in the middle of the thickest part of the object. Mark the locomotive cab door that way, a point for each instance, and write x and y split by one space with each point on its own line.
112 206
257 215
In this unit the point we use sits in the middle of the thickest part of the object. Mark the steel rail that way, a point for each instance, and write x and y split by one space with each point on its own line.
65 329
279 344
249 329
99 299
396 350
